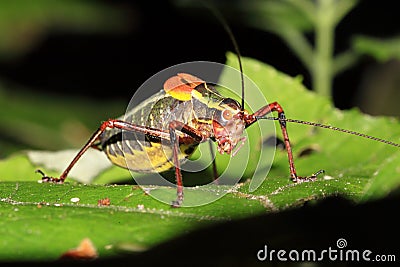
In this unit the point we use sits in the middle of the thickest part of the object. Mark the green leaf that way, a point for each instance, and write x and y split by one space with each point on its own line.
349 161
274 15
381 49
40 221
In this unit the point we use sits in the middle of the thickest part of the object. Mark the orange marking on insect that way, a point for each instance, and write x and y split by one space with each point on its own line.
181 86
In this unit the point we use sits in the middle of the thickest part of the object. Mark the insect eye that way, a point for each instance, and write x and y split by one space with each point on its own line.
226 115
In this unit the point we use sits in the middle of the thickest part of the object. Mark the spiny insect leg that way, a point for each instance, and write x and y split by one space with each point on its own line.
215 172
64 175
175 126
275 106
107 124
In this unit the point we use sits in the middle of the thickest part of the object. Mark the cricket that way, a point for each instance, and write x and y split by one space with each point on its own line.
186 112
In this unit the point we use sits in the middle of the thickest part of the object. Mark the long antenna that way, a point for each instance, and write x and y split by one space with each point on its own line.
228 30
333 128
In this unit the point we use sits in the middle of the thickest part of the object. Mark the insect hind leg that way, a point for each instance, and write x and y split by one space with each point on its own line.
119 124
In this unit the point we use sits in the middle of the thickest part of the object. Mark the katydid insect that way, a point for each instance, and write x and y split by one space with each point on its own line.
199 113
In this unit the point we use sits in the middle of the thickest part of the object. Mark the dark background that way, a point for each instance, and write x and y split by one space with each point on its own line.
161 35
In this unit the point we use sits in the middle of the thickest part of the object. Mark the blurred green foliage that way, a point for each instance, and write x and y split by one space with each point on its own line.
36 120
295 21
42 121
24 23
380 49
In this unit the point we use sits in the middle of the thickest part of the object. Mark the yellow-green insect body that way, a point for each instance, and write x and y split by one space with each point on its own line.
148 153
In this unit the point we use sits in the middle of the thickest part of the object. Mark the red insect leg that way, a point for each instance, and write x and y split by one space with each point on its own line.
250 119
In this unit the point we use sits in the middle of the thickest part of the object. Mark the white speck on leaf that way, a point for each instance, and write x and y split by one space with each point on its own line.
75 199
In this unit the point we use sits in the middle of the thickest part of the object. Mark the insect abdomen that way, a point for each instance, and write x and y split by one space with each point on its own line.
146 153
